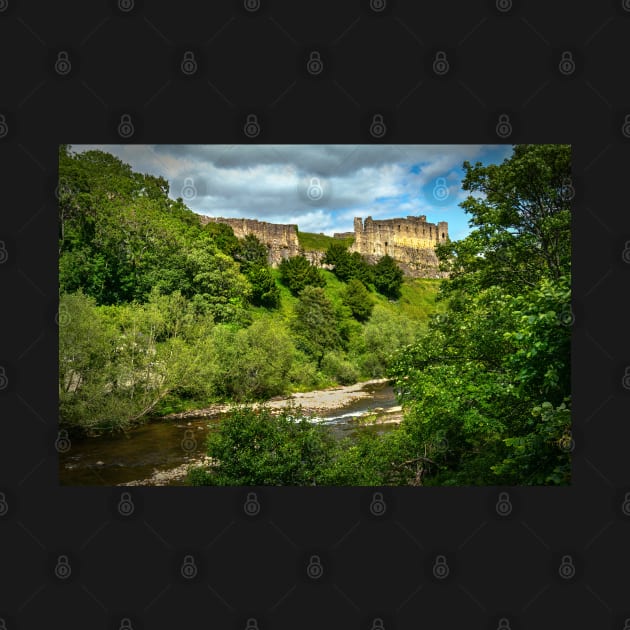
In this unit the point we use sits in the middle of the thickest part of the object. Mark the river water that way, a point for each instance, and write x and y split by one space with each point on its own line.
165 445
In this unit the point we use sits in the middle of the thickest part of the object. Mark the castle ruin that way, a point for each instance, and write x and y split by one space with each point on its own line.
410 242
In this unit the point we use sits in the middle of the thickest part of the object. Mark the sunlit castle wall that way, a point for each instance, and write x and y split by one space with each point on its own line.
410 242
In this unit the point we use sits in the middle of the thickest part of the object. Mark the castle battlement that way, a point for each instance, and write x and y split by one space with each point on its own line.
410 241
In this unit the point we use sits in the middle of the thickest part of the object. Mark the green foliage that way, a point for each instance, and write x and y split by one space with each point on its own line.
116 363
120 236
358 299
251 363
297 272
388 277
315 323
336 366
346 265
223 236
264 289
259 448
251 253
487 388
319 242
383 335
521 215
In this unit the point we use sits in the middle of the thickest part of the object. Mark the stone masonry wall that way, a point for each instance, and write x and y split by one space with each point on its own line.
410 242
282 240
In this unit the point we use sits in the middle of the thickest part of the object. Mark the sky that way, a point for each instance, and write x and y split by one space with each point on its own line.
321 188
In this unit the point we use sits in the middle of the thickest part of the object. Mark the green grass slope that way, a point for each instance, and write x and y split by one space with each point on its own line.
320 242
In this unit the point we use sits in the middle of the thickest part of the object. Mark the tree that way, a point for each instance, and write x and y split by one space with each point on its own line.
522 221
264 289
223 237
258 448
346 265
358 299
487 389
297 272
251 253
388 277
315 323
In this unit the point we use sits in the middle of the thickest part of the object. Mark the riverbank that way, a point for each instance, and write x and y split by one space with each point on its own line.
160 452
313 402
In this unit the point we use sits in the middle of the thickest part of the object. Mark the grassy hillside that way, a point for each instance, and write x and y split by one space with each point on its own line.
320 242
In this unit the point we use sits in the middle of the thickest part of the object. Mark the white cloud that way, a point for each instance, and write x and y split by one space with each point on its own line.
268 182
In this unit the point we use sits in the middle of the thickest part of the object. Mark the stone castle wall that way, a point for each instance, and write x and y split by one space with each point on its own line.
282 240
410 242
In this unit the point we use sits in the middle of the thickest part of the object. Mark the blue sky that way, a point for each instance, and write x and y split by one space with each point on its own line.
321 188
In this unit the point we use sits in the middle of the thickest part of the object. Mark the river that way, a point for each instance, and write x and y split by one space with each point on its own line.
158 452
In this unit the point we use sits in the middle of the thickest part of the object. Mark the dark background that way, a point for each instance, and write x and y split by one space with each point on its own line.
377 58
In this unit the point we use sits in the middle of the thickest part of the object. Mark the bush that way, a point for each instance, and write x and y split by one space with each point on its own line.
335 365
258 448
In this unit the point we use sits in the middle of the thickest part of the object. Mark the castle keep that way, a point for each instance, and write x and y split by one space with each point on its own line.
410 242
